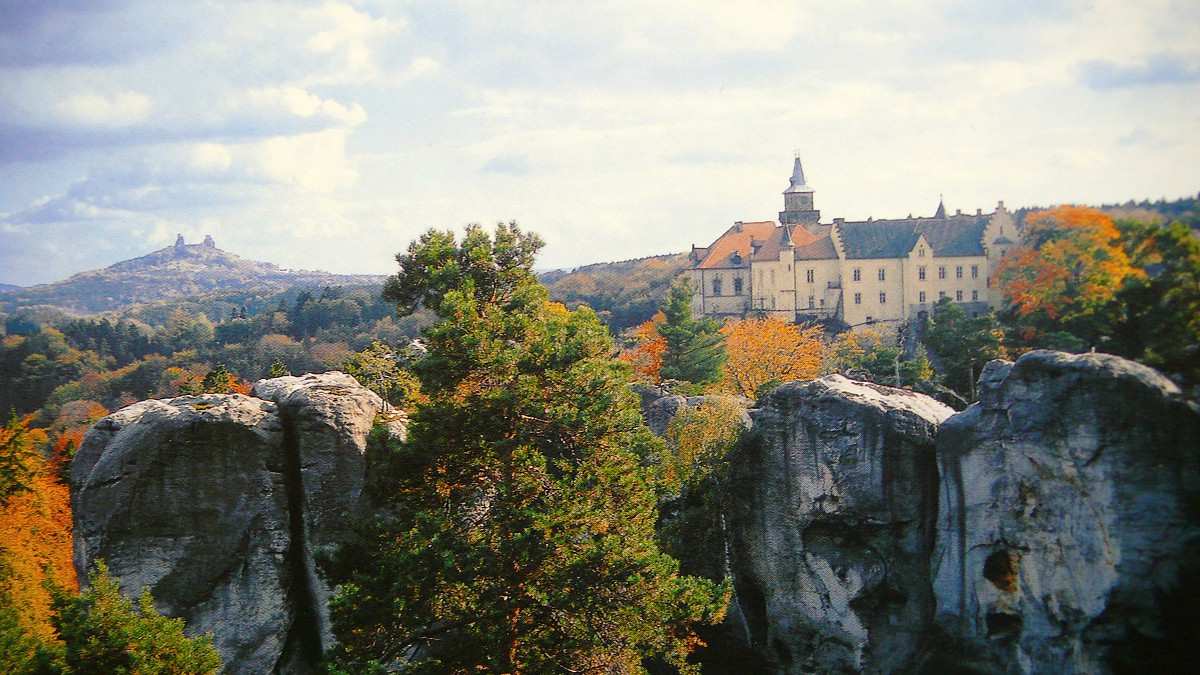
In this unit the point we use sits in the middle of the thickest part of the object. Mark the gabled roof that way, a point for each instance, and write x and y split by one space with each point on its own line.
738 239
821 247
953 236
785 235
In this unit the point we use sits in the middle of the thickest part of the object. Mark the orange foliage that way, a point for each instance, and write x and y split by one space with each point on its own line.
769 350
1071 264
35 542
647 357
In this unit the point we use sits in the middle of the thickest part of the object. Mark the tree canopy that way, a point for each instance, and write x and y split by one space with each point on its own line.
522 511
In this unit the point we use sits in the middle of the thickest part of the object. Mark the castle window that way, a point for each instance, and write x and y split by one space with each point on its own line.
822 303
857 274
974 271
772 277
974 295
810 275
958 296
921 297
942 272
812 302
883 298
958 272
858 298
717 286
737 286
921 252
882 274
921 273
941 294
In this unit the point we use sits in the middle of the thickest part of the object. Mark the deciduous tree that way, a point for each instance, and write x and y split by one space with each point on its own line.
764 351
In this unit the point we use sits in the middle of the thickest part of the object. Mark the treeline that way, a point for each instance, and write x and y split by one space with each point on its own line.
49 361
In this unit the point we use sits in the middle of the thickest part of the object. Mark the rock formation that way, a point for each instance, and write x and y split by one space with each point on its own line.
219 503
832 527
1068 531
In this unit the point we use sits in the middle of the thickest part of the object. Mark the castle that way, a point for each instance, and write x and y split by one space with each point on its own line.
850 273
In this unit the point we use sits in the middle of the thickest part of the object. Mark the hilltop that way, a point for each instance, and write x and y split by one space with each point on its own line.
182 271
623 293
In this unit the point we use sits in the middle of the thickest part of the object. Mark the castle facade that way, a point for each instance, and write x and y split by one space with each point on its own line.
850 273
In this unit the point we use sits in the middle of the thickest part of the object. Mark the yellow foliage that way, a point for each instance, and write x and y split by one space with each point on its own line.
647 356
768 350
35 543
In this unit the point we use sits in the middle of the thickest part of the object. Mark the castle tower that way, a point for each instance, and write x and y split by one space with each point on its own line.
798 199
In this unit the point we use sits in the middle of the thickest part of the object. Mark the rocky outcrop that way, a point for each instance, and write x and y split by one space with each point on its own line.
1068 527
220 503
832 525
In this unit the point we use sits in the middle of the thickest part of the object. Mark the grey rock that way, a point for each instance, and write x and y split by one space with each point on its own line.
1067 538
219 505
832 525
659 412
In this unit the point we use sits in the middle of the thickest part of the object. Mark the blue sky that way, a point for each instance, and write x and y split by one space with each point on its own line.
328 135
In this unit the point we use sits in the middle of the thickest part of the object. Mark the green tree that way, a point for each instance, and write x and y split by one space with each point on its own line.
1156 316
521 527
218 381
695 347
278 369
105 632
378 368
16 457
963 344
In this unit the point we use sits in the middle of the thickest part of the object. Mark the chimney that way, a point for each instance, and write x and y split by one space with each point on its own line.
179 243
958 212
839 221
737 227
978 211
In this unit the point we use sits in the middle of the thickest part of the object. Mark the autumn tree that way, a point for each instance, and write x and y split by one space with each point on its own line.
767 351
1069 267
695 349
646 355
35 534
520 526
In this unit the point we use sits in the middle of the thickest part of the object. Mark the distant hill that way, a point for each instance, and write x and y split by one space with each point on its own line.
5 288
182 271
623 293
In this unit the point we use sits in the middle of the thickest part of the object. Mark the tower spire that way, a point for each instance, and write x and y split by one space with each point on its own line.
797 182
941 209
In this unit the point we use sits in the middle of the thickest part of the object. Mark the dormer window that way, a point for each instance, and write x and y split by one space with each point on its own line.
920 251
736 258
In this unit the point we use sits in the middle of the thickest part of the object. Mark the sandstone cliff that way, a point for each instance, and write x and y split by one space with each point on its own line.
219 504
1068 526
833 525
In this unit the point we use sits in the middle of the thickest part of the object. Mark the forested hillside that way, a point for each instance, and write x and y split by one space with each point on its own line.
623 293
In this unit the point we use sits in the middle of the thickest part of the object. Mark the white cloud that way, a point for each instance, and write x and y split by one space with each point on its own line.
121 109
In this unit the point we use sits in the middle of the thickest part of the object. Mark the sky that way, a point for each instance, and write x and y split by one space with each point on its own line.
329 135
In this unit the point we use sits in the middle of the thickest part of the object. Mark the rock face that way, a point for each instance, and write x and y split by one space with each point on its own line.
1068 533
218 504
833 525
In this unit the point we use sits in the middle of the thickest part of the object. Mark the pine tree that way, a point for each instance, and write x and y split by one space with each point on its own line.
695 347
521 536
